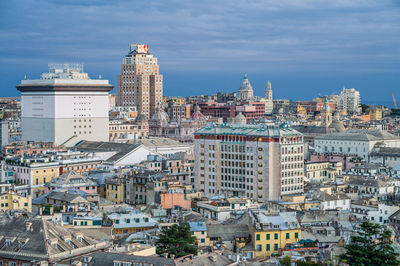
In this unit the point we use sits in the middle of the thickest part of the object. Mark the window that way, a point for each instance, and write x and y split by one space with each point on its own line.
203 240
259 248
117 221
296 235
275 247
268 247
202 232
258 237
287 235
276 236
268 236
128 220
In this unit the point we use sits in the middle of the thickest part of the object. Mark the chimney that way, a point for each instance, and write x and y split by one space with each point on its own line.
28 226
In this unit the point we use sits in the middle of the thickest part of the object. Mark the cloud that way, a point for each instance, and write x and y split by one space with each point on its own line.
285 36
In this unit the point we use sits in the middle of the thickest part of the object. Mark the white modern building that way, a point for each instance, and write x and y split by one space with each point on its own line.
349 100
257 162
64 106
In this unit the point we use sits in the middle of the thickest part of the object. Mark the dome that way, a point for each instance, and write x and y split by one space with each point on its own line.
197 115
160 118
239 119
336 123
246 86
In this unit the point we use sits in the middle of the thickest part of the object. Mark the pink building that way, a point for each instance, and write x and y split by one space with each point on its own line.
72 180
172 198
348 161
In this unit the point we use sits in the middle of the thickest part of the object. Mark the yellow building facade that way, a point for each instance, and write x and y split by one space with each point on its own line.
269 242
272 232
34 174
15 202
375 114
323 171
115 191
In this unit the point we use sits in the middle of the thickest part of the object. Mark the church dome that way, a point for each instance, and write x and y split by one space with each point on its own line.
246 86
240 119
197 115
160 118
336 123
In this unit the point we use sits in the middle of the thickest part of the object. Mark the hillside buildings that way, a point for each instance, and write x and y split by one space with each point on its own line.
140 83
260 163
65 106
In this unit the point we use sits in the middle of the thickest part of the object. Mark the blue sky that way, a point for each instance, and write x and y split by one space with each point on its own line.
303 47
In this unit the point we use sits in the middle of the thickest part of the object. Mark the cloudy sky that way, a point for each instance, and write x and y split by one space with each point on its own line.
303 47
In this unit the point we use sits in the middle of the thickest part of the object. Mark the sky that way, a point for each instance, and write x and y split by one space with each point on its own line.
305 48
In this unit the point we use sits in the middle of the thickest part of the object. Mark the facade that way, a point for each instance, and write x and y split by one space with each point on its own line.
87 222
257 162
375 114
354 142
272 232
132 222
174 197
65 106
199 230
115 190
177 112
34 174
140 83
3 133
349 101
323 171
119 129
15 202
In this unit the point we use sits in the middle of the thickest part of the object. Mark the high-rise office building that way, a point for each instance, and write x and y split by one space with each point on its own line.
65 106
140 83
253 161
349 100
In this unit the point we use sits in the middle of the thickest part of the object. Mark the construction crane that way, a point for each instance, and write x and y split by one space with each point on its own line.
394 101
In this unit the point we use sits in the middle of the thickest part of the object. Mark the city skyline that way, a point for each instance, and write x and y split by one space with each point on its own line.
302 48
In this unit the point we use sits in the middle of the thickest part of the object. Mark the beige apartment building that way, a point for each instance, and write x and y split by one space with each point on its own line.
253 161
140 83
323 171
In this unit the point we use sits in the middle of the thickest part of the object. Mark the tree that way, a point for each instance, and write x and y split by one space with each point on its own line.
364 107
286 261
386 254
176 240
370 246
